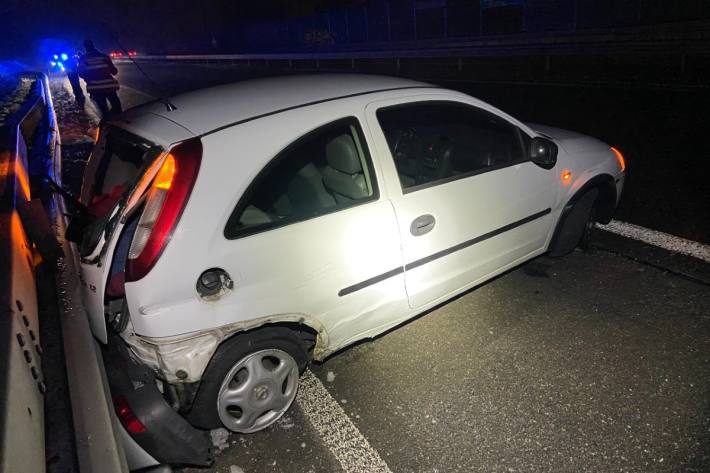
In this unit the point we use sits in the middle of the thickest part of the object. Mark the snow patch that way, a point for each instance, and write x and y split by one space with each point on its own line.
14 91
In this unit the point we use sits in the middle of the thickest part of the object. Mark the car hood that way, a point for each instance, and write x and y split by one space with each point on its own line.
571 141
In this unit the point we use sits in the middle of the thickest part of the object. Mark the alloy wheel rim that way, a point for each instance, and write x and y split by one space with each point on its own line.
257 390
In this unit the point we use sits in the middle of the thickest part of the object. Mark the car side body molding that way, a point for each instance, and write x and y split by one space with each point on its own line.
440 254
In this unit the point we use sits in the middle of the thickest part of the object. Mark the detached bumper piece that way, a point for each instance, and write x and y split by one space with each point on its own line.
147 417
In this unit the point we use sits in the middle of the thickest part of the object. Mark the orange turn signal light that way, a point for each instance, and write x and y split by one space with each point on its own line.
164 178
620 158
566 176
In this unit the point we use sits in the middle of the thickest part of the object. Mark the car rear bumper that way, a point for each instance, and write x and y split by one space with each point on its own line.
167 436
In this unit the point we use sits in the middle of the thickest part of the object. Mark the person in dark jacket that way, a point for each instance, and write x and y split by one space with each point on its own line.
98 71
72 68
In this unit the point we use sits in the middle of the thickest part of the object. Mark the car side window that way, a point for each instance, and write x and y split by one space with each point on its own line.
322 172
436 142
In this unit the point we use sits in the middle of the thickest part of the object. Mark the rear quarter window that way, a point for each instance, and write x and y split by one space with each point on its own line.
324 171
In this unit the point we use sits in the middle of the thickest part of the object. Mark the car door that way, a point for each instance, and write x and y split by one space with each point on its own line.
469 202
312 235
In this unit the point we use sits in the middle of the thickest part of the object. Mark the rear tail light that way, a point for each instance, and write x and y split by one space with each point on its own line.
127 416
165 201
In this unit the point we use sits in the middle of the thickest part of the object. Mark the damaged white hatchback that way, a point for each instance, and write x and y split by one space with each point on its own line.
238 232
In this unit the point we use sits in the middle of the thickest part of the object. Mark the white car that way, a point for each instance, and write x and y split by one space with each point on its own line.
243 230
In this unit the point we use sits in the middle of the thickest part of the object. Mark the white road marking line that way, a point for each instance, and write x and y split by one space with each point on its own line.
660 239
342 437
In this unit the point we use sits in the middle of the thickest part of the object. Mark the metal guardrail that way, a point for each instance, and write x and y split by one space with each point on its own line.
628 41
21 379
97 433
96 429
666 58
98 439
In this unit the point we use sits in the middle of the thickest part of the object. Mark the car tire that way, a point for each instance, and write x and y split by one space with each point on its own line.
585 242
244 376
576 228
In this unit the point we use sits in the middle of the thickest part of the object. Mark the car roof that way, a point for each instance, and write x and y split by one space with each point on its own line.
207 110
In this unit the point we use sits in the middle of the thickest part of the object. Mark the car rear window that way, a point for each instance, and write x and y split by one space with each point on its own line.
116 162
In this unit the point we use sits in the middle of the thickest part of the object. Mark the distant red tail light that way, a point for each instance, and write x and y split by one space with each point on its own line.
164 204
127 416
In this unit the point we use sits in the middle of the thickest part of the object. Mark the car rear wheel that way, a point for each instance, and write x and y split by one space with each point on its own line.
251 381
257 390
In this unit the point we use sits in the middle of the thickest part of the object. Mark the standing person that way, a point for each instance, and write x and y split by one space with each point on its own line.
72 68
98 71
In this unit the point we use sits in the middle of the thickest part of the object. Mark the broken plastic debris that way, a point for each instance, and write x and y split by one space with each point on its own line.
330 377
285 422
220 438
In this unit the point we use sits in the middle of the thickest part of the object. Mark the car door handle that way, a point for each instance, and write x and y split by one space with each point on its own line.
422 224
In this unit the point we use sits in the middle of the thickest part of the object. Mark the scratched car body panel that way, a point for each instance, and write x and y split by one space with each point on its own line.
345 204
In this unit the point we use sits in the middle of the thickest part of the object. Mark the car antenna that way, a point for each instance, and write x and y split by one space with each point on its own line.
169 106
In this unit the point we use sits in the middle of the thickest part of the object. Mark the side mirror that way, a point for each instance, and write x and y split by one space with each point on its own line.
543 152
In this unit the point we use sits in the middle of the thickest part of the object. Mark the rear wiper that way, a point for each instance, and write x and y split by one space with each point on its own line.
75 207
79 216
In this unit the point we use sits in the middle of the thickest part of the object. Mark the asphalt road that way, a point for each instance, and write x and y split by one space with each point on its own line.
592 362
597 361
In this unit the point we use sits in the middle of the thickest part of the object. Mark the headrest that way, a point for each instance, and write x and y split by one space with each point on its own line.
341 154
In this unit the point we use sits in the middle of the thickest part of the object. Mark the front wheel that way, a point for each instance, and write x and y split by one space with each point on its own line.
585 242
251 381
576 228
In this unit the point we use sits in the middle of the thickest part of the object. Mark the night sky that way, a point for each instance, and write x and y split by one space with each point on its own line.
32 27
156 25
